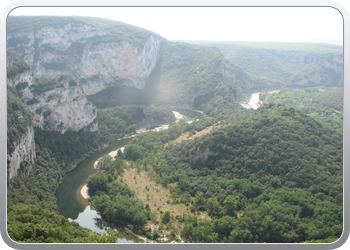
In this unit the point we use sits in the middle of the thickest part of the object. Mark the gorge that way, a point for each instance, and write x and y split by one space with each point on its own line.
78 85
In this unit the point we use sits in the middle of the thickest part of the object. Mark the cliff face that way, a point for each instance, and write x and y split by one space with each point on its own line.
62 109
59 108
75 50
24 153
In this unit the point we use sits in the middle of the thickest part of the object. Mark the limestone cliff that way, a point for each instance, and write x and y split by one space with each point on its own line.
62 109
23 155
96 56
58 104
51 104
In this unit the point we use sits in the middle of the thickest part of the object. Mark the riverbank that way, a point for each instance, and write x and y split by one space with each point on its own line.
84 192
112 154
186 109
128 231
72 193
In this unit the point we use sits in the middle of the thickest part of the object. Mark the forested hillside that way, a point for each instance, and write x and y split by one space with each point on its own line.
322 103
30 224
277 65
275 176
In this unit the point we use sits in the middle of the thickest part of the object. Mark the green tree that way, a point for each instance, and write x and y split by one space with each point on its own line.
166 217
230 206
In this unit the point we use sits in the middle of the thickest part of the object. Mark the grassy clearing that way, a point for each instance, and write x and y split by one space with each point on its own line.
158 198
190 136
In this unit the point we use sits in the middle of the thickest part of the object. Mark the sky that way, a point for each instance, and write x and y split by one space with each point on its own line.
285 24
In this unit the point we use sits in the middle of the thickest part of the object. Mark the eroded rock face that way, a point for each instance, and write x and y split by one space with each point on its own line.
62 109
70 50
59 109
202 154
24 152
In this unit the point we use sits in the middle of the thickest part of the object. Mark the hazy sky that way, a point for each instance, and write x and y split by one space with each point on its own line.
218 23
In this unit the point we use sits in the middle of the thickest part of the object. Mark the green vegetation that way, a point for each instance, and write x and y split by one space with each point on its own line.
183 71
113 123
43 84
117 96
283 63
30 224
39 187
114 200
55 159
17 67
277 177
321 103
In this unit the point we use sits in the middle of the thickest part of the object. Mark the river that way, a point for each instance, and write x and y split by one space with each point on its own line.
253 103
74 207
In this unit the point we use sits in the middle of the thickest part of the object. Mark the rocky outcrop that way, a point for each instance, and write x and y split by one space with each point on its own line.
201 154
72 50
22 157
63 109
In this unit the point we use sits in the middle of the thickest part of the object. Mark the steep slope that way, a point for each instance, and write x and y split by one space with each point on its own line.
278 65
20 137
275 176
58 104
192 75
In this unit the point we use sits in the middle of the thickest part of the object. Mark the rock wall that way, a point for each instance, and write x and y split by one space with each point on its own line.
60 109
24 152
71 50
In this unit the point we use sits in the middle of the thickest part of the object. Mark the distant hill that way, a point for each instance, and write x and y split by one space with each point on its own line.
278 65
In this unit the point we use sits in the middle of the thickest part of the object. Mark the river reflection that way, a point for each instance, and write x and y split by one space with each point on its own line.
70 202
74 207
90 218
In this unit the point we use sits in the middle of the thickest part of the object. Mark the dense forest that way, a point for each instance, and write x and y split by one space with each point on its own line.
325 104
30 224
275 176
